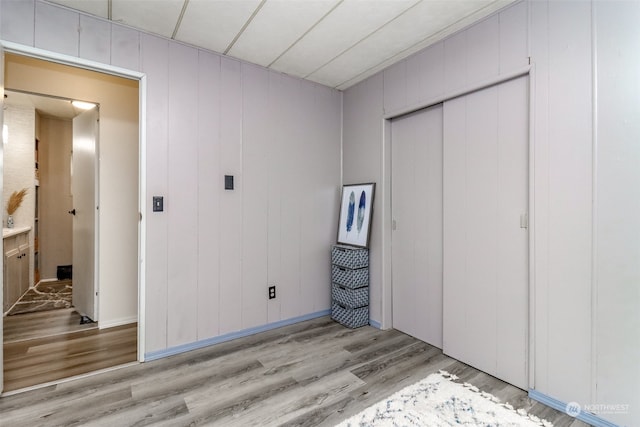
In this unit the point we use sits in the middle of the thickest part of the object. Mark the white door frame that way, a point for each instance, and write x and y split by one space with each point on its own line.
386 320
10 47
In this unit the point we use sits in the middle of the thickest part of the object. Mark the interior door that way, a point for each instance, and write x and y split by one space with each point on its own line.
485 274
85 211
416 202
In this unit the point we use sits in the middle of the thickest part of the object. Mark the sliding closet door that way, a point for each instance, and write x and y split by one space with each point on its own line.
485 266
416 157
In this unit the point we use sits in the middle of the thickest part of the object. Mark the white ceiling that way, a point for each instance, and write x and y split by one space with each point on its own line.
333 42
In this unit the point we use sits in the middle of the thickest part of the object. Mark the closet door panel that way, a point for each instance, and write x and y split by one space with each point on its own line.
485 277
417 212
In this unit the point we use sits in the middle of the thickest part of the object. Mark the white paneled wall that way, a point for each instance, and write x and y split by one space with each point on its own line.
585 185
212 253
561 50
617 266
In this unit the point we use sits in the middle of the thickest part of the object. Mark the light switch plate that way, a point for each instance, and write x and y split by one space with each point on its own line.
158 203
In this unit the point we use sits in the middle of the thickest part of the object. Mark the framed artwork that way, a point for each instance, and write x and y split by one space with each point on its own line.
356 211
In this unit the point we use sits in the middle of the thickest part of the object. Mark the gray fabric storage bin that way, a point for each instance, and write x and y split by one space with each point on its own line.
350 278
350 317
349 257
350 298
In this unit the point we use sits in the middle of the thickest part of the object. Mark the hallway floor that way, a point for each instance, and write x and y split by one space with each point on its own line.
50 345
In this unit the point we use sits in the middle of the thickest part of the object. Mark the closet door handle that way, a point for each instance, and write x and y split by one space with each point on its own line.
72 211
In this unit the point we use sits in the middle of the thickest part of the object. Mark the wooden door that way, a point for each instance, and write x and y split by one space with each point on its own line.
416 157
485 269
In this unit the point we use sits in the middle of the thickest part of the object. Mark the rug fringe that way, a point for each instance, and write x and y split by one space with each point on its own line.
521 411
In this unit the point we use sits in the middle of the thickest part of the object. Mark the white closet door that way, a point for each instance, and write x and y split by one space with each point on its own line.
485 266
416 142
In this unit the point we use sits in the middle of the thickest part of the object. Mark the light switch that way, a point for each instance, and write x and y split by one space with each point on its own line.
158 203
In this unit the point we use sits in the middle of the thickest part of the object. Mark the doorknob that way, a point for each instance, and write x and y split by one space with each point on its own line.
72 211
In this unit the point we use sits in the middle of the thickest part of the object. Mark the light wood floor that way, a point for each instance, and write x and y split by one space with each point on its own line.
312 373
50 345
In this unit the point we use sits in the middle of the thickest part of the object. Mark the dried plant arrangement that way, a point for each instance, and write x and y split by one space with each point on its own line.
15 200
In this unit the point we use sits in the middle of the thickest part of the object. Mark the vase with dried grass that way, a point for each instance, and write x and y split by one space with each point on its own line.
15 200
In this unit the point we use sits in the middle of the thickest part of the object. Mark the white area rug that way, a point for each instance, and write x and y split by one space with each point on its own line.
438 401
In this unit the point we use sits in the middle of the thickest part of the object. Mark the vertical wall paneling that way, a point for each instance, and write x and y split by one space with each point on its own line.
125 46
155 64
433 71
309 109
209 194
255 147
568 307
275 262
415 70
362 159
483 50
230 309
539 48
180 204
513 41
618 210
395 93
455 61
327 179
18 21
95 39
416 199
291 206
56 29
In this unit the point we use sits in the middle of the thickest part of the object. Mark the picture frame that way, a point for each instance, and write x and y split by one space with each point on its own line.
356 213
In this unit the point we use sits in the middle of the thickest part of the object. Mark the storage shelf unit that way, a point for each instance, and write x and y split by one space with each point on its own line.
350 285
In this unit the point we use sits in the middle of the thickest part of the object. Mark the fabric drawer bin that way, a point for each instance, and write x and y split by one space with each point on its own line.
350 317
348 277
349 257
350 298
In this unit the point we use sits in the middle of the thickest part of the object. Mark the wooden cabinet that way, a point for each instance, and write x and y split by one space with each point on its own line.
16 267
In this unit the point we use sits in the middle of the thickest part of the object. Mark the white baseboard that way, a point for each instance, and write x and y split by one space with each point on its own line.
117 322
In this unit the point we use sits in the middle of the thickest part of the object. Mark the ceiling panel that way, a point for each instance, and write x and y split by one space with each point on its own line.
349 23
154 16
332 42
400 38
214 24
96 7
277 26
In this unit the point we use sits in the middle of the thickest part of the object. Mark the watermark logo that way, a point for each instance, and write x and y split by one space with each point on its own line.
573 409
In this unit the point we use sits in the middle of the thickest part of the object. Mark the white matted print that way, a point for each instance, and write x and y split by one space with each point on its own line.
356 211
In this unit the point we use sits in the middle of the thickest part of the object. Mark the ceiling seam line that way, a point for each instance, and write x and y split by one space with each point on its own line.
435 36
244 27
305 33
363 39
179 22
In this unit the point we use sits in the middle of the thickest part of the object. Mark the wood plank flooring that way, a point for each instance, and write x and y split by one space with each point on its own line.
48 346
314 373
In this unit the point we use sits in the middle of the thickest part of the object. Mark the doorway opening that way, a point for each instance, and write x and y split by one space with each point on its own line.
113 210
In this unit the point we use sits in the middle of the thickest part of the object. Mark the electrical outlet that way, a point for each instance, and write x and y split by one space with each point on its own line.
272 292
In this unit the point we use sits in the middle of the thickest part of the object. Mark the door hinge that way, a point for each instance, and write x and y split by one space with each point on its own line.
394 225
524 220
